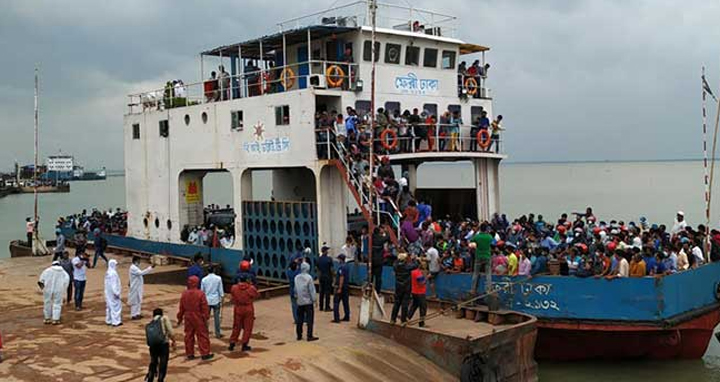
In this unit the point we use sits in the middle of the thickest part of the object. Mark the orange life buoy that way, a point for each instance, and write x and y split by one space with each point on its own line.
334 76
484 139
471 86
287 78
383 139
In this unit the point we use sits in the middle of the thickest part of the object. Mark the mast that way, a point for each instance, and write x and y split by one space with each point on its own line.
712 171
35 166
705 159
373 9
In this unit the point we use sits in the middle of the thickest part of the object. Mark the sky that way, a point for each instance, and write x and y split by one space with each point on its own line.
575 80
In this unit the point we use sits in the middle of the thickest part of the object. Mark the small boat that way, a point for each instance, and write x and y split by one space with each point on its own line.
471 343
19 248
61 187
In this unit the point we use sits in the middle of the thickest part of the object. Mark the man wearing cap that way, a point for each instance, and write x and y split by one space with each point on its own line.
342 291
680 224
304 290
325 269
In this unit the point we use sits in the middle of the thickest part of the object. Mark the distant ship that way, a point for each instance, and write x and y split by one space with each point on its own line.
63 168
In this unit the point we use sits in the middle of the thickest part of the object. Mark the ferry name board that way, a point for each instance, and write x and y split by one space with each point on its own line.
411 84
267 146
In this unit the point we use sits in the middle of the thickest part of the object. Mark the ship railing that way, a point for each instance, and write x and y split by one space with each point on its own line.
390 16
331 75
473 86
437 138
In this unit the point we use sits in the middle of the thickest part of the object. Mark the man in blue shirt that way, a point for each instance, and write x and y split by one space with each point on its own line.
650 263
342 291
325 268
196 269
424 211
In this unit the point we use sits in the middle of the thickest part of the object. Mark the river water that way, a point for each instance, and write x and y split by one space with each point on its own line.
616 190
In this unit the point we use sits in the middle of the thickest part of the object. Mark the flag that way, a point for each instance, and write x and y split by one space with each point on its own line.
706 88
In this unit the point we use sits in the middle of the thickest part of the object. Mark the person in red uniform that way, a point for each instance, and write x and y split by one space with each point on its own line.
194 311
418 283
243 294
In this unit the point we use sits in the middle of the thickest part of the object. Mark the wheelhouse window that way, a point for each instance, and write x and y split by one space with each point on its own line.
164 127
392 53
412 55
136 131
475 113
392 106
367 52
236 117
282 115
455 108
362 107
430 58
448 59
431 108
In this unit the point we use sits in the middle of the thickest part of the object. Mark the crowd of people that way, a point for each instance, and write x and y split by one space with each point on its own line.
402 132
218 229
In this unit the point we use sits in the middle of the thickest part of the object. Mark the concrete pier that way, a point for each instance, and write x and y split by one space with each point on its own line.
83 348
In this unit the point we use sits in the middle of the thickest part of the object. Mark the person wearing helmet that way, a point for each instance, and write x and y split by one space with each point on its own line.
243 294
246 269
194 312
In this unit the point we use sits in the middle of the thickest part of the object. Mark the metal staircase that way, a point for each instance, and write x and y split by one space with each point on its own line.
367 201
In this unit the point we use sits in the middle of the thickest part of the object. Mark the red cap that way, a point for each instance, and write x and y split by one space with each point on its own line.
596 230
611 246
561 229
500 243
244 265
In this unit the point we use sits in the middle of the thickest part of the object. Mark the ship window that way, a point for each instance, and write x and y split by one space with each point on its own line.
412 55
136 131
282 115
475 112
367 52
392 53
169 224
187 120
157 223
391 106
164 128
204 117
431 108
236 117
362 107
448 59
453 108
430 58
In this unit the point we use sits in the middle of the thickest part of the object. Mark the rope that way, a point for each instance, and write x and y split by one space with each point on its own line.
705 152
462 304
712 167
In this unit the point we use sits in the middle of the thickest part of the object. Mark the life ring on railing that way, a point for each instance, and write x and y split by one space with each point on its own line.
334 76
471 86
383 139
483 138
287 78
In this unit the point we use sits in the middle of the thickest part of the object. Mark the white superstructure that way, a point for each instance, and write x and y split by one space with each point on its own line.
262 116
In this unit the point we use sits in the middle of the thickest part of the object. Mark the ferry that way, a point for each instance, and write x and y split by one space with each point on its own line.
256 109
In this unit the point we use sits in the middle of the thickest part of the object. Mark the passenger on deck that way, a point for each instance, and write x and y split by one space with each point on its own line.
224 83
211 88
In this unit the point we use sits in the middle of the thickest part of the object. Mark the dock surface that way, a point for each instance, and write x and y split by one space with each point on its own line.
83 348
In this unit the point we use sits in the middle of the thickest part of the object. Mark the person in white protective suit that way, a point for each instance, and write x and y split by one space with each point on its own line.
135 296
53 282
113 289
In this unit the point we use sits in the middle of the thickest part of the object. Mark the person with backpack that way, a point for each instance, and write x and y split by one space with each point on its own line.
243 294
100 246
195 312
159 336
